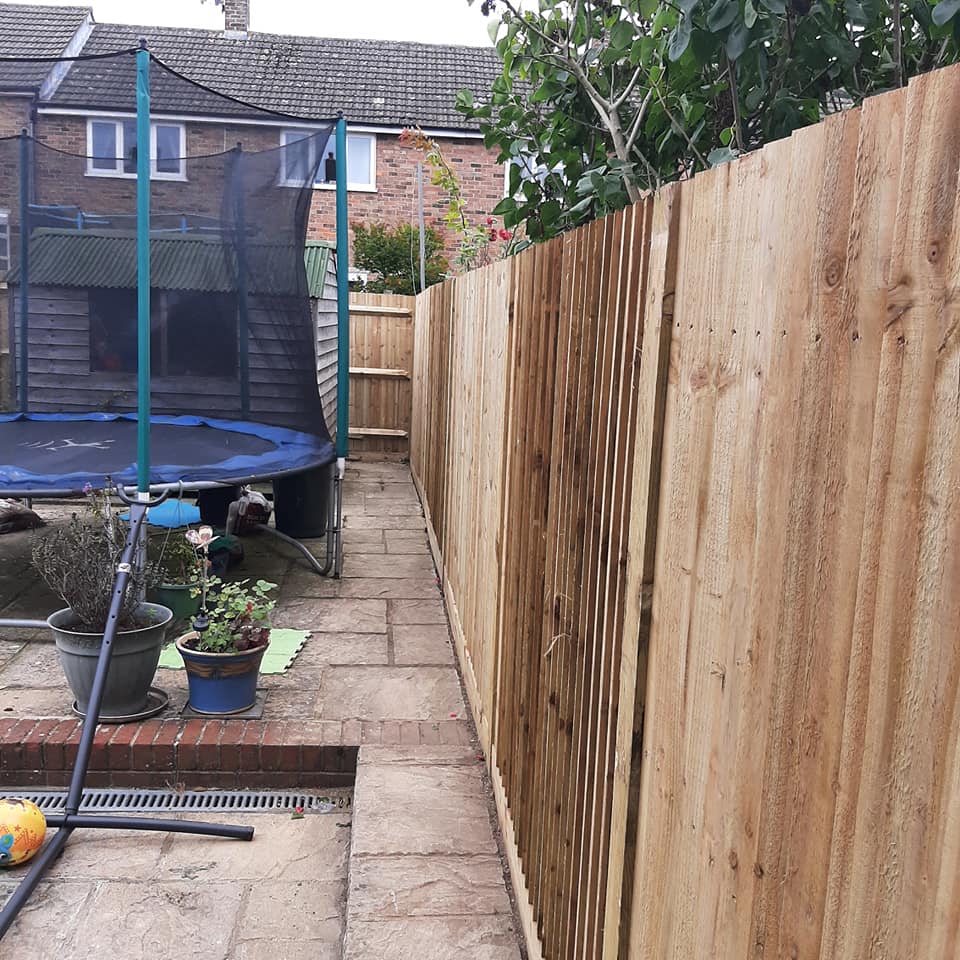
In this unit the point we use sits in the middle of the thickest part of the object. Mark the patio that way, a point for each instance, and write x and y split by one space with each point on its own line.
373 696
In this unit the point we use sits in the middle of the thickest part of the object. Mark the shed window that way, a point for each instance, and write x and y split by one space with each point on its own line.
191 333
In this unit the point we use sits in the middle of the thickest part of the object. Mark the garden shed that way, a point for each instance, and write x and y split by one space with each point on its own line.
82 308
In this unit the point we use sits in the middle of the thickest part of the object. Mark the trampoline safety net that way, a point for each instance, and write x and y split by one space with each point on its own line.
233 365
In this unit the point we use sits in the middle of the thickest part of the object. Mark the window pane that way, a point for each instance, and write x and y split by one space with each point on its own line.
201 334
359 156
168 149
129 146
327 172
296 157
104 145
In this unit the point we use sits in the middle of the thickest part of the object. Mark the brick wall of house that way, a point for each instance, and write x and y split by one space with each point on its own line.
62 179
481 180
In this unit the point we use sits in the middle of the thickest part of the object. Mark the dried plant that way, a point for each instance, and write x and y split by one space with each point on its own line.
79 563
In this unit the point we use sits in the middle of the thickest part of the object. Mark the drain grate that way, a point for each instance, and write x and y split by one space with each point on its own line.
172 801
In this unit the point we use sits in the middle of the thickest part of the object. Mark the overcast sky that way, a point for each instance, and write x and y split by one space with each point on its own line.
429 21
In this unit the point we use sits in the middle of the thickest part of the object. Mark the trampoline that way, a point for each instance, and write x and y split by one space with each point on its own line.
166 341
55 455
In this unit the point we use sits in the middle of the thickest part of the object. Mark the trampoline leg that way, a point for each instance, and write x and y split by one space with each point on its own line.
335 536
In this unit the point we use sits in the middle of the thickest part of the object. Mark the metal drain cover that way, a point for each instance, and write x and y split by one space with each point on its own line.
189 801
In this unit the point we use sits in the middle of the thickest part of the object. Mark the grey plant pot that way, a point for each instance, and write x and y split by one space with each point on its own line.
132 664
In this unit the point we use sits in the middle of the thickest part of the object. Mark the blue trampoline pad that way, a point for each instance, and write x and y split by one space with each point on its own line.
58 453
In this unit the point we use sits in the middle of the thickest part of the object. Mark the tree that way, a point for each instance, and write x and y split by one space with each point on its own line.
394 256
600 100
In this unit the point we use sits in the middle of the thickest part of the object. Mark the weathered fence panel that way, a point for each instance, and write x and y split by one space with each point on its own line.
692 476
381 367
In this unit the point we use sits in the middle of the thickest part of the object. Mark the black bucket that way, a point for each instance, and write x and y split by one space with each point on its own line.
301 502
215 503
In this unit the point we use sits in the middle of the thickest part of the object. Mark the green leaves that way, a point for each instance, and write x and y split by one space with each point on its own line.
945 11
680 38
717 78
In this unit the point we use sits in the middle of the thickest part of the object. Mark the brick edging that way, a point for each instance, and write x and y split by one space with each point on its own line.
207 753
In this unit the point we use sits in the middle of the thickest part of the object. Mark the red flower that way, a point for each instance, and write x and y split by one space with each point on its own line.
249 607
506 235
489 221
493 235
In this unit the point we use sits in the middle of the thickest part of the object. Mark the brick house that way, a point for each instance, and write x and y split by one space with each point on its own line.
87 107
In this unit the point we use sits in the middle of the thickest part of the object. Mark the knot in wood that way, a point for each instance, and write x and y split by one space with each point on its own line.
833 272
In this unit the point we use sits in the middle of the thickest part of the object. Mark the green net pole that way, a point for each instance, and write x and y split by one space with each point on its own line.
343 298
24 328
143 270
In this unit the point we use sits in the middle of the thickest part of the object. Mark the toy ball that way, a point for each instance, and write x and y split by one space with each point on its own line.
22 829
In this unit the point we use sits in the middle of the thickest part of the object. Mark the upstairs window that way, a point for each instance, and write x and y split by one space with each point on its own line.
112 149
300 157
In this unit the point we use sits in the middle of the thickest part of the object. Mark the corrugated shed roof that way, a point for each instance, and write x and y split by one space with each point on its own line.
372 81
317 258
34 31
88 258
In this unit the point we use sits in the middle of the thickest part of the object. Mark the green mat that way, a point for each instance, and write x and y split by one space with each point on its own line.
284 646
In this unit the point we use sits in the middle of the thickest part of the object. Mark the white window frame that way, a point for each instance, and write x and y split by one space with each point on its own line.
118 171
370 187
5 233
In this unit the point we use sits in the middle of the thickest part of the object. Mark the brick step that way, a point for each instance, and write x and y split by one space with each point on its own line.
225 754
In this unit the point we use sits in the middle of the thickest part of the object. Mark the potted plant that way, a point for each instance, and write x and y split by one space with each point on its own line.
177 565
222 653
78 562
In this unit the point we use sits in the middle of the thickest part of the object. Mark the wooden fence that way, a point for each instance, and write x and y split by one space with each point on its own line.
692 477
381 361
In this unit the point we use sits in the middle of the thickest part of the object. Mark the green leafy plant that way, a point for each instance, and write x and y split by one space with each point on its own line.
601 100
238 615
175 560
393 255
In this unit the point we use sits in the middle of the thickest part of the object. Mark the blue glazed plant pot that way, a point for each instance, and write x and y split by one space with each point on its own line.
221 683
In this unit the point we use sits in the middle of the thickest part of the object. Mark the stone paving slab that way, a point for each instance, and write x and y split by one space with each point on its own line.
427 643
163 896
328 615
405 886
433 938
416 611
393 567
395 693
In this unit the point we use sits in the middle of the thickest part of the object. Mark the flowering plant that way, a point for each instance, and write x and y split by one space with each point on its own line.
479 244
235 616
79 563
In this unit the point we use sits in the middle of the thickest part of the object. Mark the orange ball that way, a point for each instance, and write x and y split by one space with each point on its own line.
22 829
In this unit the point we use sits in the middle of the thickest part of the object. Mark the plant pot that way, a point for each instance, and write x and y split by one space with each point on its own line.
133 662
221 683
176 597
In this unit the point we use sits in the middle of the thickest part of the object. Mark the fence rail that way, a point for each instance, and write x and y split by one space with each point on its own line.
692 476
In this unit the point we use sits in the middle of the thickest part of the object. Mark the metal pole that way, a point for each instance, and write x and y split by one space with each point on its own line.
243 332
143 270
423 266
24 270
343 301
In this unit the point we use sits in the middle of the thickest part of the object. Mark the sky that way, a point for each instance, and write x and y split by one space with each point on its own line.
428 21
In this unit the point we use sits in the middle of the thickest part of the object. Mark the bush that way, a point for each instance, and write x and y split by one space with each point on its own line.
393 254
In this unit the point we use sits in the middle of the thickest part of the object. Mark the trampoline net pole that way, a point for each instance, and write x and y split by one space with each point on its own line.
343 297
24 328
143 271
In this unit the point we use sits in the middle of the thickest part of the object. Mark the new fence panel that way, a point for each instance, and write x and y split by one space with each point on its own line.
692 476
